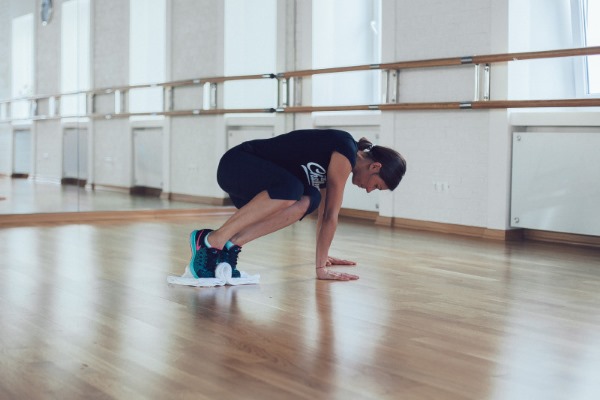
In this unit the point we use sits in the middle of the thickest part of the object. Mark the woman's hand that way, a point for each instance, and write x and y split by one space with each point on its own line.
325 274
338 261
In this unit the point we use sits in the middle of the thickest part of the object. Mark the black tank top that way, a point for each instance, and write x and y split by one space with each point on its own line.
306 153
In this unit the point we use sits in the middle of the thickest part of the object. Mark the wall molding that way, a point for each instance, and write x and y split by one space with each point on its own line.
563 238
108 216
188 198
491 234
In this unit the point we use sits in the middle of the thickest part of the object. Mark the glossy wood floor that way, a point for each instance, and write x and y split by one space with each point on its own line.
86 313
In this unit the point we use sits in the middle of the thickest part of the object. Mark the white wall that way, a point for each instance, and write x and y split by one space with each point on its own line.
458 161
195 144
47 135
447 152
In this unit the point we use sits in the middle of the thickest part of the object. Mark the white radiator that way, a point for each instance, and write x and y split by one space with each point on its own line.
22 151
556 182
148 157
75 160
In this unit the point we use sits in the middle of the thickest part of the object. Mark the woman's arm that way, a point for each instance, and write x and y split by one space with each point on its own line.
337 175
330 260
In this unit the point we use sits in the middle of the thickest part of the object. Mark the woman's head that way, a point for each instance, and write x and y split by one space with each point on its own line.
379 167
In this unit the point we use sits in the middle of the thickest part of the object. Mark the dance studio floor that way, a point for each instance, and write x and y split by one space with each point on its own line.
86 313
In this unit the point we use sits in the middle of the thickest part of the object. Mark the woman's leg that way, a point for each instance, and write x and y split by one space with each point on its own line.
261 216
268 197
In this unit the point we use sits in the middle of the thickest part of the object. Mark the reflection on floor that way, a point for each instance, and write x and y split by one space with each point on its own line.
86 313
26 196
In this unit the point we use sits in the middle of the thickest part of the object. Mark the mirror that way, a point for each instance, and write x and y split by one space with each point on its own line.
53 157
78 148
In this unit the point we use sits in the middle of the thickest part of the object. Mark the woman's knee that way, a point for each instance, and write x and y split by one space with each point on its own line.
310 202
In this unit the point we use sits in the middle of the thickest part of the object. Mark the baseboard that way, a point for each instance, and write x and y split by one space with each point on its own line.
145 191
453 229
111 188
384 221
359 214
440 227
103 216
213 201
73 181
563 238
511 235
491 234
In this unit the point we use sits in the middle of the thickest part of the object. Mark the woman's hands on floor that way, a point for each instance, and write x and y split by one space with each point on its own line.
327 274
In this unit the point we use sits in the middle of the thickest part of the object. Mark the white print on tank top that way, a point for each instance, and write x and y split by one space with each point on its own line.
315 174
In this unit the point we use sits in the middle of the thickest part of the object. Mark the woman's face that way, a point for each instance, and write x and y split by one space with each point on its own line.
368 178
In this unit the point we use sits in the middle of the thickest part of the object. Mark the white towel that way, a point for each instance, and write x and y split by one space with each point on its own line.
222 277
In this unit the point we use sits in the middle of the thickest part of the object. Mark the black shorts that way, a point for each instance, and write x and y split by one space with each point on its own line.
243 175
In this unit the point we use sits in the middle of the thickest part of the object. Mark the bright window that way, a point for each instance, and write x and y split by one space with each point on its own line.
346 33
22 64
75 56
591 22
250 48
147 54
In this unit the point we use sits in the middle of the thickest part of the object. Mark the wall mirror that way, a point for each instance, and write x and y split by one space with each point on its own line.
94 140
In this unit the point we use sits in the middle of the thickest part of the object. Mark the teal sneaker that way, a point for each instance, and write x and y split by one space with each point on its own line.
230 256
204 259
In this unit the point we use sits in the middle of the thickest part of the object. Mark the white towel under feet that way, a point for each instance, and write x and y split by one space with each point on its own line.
222 277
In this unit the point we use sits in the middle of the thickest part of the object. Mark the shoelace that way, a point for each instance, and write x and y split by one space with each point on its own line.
231 256
208 259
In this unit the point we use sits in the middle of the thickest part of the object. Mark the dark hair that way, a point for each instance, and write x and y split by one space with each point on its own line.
393 165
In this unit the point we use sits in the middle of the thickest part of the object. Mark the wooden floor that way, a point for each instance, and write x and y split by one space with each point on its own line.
86 313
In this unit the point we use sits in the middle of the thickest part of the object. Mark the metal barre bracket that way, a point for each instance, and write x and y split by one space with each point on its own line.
390 86
482 83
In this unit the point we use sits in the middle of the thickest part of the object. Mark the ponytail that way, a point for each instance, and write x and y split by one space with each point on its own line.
393 165
364 144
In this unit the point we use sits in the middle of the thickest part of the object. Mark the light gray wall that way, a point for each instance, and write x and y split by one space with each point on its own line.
47 135
48 139
197 40
112 152
447 151
47 52
197 50
110 54
467 152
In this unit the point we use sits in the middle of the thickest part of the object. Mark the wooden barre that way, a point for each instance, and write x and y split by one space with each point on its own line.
440 62
454 105
494 104
453 61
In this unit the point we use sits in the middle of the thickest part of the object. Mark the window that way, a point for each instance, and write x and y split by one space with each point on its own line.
22 64
591 26
147 54
75 56
250 48
346 33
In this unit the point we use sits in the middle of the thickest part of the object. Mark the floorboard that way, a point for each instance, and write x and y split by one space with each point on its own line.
86 312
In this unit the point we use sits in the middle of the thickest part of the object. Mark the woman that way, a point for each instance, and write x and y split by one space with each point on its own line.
276 182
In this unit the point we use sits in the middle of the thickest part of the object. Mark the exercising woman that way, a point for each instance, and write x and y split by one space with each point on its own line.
278 181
